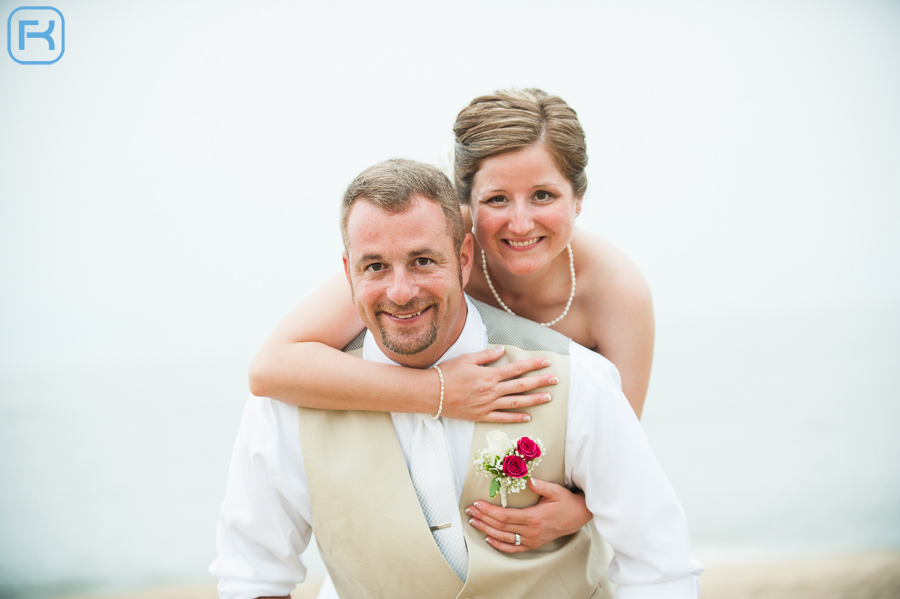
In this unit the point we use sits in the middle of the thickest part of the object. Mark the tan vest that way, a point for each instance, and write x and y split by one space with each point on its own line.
369 525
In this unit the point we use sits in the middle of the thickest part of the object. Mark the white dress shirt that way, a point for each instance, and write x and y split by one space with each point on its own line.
265 521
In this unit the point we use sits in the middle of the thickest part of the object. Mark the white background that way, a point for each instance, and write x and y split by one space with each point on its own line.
169 189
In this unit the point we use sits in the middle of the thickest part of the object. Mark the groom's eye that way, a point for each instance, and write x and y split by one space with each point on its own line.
423 261
375 267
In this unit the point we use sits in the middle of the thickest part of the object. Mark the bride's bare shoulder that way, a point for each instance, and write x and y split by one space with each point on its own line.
614 296
605 269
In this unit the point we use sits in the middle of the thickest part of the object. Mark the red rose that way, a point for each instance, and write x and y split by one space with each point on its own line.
528 448
514 466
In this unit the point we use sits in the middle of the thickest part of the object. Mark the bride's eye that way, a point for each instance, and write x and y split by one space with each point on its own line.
495 200
543 196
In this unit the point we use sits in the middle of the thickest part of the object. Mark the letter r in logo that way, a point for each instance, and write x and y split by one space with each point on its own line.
36 35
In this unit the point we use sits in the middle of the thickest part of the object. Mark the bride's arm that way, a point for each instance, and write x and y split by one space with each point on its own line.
298 365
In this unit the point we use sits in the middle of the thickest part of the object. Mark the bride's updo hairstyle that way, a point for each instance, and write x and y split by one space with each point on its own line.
513 119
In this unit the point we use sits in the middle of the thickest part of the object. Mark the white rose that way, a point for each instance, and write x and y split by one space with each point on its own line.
498 443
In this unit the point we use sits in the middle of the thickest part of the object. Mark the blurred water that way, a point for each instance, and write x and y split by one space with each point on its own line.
113 478
780 430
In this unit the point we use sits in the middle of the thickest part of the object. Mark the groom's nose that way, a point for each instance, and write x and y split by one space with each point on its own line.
402 287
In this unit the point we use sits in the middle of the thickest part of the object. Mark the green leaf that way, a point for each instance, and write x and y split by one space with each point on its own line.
495 487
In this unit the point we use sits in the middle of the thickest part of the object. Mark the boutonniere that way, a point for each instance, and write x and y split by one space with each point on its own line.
511 463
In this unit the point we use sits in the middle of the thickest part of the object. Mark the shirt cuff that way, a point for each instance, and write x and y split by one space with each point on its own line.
687 587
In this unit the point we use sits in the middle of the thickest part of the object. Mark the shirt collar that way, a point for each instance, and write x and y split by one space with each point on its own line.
473 338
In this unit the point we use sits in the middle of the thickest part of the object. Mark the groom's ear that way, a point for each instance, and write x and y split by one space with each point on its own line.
466 258
346 260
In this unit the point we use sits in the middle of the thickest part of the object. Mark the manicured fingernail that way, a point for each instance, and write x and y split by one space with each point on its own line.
553 380
476 505
488 541
472 521
470 512
545 363
527 418
500 349
547 397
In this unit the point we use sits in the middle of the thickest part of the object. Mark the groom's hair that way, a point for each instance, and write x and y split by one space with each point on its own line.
392 185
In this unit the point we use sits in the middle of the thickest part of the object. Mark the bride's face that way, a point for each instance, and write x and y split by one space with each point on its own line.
523 209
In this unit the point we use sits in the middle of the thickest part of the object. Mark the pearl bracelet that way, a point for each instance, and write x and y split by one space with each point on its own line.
441 406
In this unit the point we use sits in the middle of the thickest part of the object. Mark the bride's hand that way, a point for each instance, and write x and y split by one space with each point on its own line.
472 392
560 512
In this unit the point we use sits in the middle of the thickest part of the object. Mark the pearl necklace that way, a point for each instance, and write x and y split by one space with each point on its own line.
487 277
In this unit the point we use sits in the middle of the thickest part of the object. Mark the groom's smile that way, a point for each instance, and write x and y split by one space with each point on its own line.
407 330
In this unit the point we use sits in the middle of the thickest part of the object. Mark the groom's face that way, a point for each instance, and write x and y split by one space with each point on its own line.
407 280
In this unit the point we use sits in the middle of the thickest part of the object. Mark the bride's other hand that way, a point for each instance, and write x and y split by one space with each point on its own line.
472 392
559 512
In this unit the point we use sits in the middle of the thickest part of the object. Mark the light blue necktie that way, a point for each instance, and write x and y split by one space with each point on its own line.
432 476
